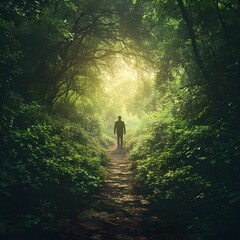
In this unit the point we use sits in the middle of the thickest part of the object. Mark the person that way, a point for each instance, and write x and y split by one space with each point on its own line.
119 127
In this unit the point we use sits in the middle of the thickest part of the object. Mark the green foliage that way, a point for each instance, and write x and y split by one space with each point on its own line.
46 155
193 167
186 157
50 49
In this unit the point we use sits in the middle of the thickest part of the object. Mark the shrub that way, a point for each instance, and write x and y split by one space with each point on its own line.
192 174
44 159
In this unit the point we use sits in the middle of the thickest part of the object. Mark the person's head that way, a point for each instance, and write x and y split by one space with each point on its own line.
119 117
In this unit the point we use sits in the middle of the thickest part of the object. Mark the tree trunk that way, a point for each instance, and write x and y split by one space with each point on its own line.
193 40
225 33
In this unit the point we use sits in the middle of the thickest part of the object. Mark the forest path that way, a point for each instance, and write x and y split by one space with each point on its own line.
119 212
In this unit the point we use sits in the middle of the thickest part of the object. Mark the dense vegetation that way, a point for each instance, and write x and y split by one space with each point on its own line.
51 150
55 56
187 154
48 164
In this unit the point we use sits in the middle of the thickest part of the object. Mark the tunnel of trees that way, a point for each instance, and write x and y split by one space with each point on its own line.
68 68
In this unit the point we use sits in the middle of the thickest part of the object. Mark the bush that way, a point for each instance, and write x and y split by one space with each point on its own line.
191 174
44 160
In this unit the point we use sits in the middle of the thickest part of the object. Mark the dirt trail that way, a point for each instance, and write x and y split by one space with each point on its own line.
119 212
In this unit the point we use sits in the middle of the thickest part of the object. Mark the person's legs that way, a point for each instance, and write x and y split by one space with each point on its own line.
118 136
120 139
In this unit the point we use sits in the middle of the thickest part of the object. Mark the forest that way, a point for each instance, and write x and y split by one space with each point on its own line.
170 68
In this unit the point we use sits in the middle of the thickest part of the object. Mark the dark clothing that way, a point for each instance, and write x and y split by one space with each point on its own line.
119 127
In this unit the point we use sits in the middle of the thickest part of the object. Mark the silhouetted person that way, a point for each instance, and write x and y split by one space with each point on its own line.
119 127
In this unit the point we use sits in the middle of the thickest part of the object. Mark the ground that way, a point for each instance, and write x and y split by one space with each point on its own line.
119 211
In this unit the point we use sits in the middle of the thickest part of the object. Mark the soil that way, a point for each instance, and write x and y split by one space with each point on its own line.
119 211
